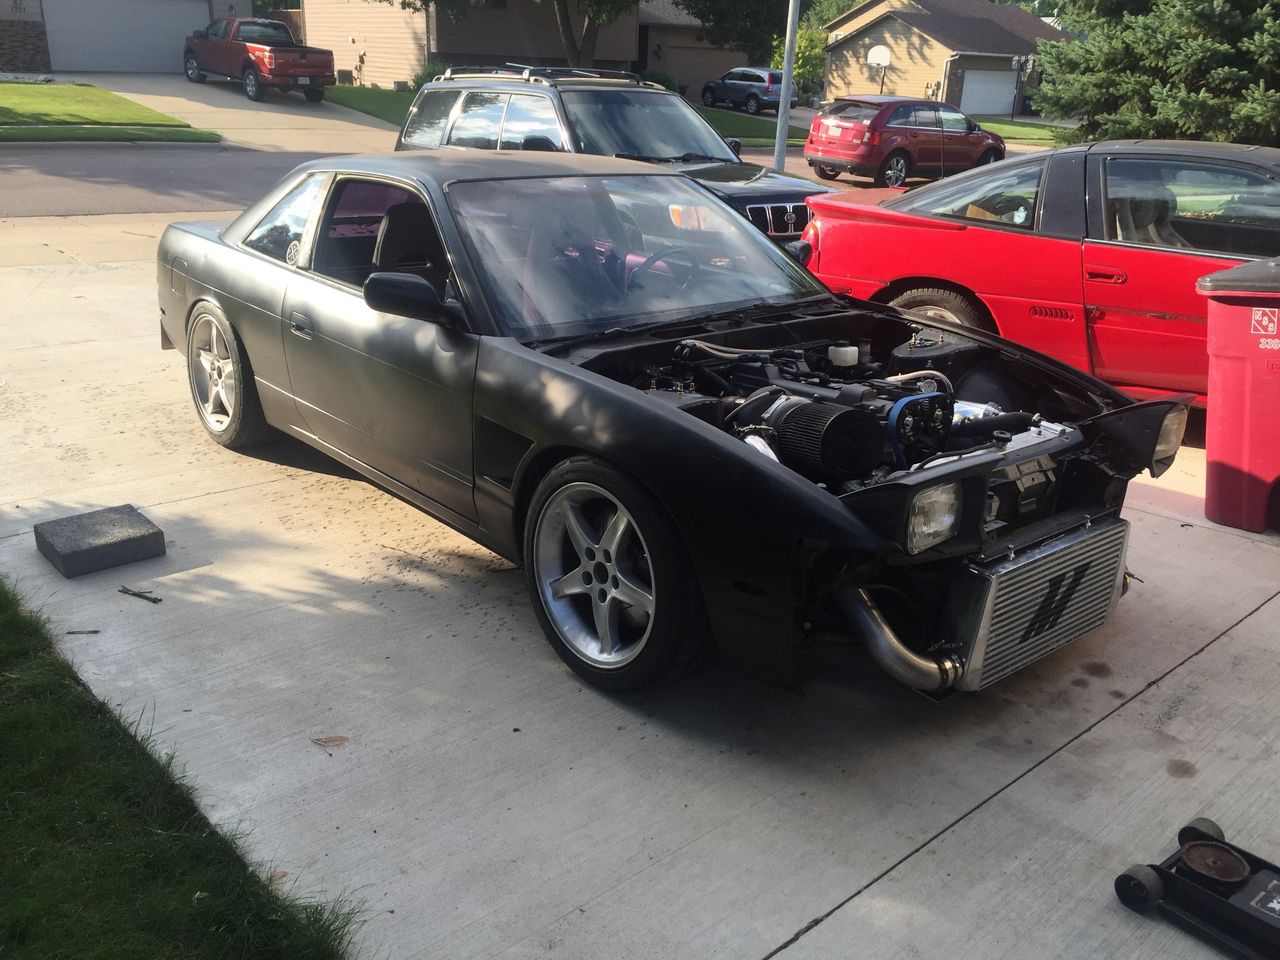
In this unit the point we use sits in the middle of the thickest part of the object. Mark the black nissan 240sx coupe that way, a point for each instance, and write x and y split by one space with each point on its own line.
597 369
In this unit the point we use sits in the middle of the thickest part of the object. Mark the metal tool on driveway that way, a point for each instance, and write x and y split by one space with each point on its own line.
1220 892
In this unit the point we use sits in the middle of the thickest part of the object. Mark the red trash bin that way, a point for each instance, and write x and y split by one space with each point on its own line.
1242 436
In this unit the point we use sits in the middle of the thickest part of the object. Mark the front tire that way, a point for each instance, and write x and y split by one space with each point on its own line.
708 97
253 86
753 104
221 381
313 94
942 305
611 585
826 173
894 170
988 157
191 67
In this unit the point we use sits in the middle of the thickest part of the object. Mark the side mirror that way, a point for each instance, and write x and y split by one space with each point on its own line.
407 295
735 145
540 143
799 250
972 126
199 34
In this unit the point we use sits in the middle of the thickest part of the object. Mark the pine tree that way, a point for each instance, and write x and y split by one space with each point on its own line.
1168 69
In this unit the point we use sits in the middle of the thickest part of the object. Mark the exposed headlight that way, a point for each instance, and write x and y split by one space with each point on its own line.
935 514
688 216
1171 431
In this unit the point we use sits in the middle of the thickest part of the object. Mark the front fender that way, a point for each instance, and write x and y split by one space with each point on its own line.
742 516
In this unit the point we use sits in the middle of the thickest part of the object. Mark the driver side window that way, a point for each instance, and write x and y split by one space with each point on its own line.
216 30
375 226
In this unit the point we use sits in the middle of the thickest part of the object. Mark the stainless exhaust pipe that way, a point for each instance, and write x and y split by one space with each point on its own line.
890 653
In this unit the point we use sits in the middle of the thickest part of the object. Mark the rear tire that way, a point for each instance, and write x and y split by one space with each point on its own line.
611 585
313 94
894 170
753 104
221 381
708 97
253 86
942 305
191 67
826 173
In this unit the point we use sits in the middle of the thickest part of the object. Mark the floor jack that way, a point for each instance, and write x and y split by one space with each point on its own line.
1214 889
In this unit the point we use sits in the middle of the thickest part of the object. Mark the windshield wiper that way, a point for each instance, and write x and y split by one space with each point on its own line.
683 158
568 342
641 157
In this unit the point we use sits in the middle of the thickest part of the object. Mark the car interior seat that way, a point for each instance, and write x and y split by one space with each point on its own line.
1147 217
408 243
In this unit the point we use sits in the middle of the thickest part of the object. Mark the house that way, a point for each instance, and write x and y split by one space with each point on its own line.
382 43
72 35
960 51
670 43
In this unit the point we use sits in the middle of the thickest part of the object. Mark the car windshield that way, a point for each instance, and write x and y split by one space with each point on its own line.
272 34
568 256
641 124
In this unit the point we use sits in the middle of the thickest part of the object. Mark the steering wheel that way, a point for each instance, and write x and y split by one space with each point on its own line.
664 254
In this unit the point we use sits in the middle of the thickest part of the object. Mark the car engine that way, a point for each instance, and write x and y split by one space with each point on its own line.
829 411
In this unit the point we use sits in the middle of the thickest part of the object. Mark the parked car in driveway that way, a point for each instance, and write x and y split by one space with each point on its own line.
599 370
751 88
607 114
1089 253
892 139
261 54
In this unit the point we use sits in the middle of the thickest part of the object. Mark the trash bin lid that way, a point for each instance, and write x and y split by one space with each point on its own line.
1260 276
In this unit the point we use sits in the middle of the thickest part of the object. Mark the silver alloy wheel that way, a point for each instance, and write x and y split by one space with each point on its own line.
211 364
594 575
895 171
192 68
251 85
708 98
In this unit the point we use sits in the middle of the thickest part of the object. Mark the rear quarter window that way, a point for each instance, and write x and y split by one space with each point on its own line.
425 126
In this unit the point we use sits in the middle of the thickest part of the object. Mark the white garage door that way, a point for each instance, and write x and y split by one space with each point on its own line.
986 91
131 36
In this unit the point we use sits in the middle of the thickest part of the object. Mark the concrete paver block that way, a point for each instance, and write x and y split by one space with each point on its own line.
88 542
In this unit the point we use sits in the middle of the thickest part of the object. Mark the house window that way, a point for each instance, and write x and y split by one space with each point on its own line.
496 4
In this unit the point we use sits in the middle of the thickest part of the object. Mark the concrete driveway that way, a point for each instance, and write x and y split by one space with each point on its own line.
488 804
286 123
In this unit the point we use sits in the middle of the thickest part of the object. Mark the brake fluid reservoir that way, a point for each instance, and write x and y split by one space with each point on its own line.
842 354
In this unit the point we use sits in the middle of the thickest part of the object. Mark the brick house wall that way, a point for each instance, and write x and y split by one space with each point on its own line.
24 45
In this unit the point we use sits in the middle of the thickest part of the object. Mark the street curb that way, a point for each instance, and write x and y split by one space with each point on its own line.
64 144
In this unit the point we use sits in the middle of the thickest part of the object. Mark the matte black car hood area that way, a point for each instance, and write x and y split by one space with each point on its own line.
747 474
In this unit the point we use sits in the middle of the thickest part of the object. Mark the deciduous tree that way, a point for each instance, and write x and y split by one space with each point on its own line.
1194 69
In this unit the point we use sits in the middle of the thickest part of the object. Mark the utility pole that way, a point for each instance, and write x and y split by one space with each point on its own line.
788 85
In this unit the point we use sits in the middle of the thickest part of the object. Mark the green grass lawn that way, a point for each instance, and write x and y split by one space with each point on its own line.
730 123
1029 131
105 853
76 111
386 105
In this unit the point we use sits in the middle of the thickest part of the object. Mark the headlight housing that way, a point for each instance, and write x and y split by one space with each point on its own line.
934 517
1170 437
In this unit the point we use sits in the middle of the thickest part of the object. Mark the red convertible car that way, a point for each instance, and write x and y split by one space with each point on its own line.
1088 253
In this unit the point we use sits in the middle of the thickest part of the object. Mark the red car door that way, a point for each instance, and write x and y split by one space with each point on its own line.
1158 224
914 127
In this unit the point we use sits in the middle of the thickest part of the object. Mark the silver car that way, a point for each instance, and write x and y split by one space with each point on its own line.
752 88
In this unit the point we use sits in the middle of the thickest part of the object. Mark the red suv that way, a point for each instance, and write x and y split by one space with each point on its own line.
891 139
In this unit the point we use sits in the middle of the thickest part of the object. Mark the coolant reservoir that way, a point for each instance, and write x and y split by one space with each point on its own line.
842 354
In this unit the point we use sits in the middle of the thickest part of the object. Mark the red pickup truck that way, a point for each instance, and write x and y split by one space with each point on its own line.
259 54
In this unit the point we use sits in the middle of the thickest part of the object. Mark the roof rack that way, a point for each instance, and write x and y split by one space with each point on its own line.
545 75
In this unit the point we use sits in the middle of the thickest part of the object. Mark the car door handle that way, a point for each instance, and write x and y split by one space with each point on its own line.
1112 275
300 325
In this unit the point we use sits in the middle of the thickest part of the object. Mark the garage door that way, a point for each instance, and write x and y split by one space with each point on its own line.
987 91
133 36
